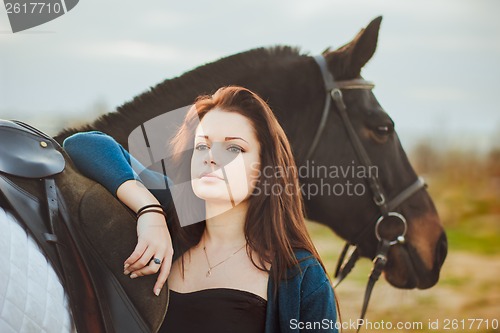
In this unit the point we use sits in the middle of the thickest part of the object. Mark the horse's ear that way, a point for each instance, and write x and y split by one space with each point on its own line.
365 44
356 54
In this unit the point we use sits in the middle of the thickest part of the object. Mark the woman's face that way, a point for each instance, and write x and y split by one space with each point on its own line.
224 165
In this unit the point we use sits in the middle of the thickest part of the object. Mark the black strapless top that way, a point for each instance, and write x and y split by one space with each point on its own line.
218 310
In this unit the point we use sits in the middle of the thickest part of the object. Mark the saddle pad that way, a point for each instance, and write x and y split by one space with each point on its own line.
32 299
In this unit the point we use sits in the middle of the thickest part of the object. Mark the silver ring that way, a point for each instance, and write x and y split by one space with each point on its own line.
157 261
400 238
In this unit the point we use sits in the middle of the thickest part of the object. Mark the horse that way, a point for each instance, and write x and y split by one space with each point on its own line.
347 145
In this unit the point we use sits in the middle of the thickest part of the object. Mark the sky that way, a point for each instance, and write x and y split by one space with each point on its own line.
436 68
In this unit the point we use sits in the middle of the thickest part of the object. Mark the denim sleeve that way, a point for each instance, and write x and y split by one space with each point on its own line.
318 304
99 157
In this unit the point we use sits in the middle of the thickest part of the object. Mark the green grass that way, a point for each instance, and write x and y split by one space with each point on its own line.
478 234
454 281
463 239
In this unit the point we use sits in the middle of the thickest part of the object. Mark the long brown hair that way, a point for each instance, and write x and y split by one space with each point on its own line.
274 224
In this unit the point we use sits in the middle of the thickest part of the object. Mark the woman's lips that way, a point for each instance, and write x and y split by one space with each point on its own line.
209 175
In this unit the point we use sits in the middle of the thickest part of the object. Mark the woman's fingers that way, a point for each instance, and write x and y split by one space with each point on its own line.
136 255
150 268
164 272
162 266
143 261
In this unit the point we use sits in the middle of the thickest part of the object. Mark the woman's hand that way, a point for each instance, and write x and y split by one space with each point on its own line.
153 238
153 241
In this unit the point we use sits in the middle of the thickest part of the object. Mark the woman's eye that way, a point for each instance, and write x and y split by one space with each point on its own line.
235 149
202 146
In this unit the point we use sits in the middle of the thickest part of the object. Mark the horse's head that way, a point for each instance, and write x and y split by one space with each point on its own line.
349 205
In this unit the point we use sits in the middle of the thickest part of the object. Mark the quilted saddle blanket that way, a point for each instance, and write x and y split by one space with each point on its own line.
32 298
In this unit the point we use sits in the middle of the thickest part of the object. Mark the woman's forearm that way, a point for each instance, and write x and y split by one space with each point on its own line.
135 195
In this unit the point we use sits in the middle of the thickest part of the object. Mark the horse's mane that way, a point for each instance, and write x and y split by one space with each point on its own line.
180 91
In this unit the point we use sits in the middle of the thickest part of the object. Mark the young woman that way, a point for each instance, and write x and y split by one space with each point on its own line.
250 265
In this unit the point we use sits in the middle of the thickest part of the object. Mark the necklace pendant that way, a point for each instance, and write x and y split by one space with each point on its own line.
209 272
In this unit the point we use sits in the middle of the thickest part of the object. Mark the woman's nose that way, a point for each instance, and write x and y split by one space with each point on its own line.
209 159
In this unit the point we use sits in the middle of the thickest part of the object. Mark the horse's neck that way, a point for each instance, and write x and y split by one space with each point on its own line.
259 70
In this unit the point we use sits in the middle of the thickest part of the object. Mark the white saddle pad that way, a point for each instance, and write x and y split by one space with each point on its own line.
32 299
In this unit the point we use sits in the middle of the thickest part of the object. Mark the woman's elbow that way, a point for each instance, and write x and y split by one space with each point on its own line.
82 143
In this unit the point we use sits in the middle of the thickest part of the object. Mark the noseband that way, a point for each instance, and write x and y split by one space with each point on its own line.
344 266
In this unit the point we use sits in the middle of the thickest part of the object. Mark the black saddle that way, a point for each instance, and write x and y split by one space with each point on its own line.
102 299
27 152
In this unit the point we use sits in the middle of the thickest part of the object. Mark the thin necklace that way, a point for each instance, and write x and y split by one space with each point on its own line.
209 272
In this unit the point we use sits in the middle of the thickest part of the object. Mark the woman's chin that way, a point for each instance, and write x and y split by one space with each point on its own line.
218 204
211 193
218 195
212 188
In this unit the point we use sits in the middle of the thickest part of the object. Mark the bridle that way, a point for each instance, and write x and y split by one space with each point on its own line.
387 208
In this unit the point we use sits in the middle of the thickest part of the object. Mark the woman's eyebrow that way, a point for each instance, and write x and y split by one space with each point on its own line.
234 138
227 138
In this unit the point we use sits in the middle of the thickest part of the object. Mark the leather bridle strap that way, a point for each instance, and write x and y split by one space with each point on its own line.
344 267
406 194
333 88
321 127
378 267
331 84
376 188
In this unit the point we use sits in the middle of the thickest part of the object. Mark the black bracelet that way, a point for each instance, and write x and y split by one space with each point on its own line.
149 206
151 211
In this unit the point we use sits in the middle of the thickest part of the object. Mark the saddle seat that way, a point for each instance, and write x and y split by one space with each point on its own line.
27 152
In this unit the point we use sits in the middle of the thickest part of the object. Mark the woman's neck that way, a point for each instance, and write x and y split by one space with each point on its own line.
226 229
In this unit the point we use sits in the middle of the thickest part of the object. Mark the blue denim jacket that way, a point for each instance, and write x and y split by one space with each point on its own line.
304 303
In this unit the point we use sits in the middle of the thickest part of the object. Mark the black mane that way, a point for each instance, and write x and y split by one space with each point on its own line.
181 91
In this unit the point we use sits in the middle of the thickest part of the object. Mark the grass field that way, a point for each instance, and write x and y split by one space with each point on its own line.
466 191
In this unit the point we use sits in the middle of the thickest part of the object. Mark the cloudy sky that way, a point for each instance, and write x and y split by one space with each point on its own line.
436 68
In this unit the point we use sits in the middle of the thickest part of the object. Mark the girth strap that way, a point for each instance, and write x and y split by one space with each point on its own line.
53 209
29 210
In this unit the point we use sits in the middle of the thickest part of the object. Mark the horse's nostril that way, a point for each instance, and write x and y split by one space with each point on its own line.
441 249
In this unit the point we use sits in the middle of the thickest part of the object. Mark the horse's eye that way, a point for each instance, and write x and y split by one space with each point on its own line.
384 130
